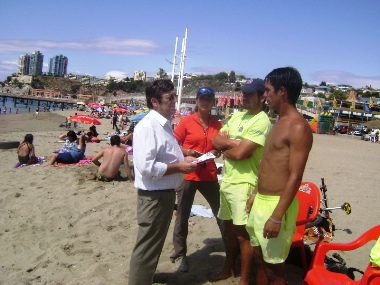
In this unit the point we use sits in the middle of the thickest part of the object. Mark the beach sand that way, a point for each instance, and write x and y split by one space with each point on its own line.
58 226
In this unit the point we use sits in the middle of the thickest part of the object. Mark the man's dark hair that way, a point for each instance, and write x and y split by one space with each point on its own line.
72 134
28 138
115 140
156 89
289 78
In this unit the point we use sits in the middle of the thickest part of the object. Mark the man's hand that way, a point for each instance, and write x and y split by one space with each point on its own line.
187 166
190 158
271 229
249 204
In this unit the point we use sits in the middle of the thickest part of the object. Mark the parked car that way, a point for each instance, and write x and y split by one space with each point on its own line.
342 129
360 130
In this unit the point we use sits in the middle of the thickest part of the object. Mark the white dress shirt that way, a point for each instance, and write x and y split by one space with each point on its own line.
154 146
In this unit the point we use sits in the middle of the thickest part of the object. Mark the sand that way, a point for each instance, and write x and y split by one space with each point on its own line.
57 226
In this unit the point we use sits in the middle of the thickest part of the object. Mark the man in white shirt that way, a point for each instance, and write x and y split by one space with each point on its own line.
159 167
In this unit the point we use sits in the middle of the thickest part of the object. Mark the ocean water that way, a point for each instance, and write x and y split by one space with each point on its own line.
22 108
11 109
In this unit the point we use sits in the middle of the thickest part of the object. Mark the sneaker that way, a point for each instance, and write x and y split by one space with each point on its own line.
181 264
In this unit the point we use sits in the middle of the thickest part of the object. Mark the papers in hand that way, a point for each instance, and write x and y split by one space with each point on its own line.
205 157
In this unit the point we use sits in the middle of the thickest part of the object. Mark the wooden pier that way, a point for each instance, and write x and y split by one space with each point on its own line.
37 102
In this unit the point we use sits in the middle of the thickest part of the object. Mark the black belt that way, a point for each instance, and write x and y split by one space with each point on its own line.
163 190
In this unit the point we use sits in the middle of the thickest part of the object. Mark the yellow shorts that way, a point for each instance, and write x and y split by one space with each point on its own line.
275 250
233 198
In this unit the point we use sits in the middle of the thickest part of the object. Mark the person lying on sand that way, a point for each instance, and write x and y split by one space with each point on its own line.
113 157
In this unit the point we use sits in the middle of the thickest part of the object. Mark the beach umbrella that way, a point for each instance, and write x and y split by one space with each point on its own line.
98 109
137 118
93 104
121 110
81 103
85 119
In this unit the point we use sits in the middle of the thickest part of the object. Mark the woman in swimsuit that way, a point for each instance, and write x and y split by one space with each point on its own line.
91 134
25 151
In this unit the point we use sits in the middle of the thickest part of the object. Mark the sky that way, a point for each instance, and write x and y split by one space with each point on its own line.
333 41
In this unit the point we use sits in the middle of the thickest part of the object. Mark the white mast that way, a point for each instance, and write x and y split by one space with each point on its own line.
175 56
181 68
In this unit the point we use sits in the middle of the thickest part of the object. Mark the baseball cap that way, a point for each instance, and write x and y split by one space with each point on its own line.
205 91
252 86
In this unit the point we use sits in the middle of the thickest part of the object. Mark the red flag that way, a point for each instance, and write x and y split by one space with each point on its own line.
220 101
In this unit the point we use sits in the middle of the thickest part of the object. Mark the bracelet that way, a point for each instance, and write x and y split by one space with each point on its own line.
253 194
275 221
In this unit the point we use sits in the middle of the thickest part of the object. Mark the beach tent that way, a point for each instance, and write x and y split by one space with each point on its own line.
81 103
137 118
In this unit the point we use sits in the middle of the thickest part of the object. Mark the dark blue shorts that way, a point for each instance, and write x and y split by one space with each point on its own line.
65 157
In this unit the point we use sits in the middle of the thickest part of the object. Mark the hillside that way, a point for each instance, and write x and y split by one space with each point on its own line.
57 83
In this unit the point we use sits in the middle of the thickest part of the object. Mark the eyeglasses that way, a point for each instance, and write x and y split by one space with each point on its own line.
172 97
205 91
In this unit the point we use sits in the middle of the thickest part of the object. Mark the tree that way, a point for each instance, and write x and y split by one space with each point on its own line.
323 83
161 74
75 88
321 95
221 76
232 77
339 94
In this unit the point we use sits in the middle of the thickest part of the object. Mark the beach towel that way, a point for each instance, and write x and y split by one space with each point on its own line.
41 160
129 150
202 211
85 161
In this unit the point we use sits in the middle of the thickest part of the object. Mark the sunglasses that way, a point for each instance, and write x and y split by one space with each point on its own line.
205 91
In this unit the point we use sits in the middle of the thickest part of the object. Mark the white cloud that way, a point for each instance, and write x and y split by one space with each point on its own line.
342 77
103 45
118 75
7 67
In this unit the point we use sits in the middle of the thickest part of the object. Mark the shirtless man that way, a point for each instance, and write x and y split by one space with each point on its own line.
272 206
113 157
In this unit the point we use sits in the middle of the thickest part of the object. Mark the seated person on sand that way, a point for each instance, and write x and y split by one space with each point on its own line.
72 150
127 139
113 157
25 151
92 135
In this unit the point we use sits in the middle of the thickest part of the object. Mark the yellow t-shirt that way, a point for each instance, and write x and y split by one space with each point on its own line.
251 127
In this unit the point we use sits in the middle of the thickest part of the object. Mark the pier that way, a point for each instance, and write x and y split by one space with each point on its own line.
37 102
